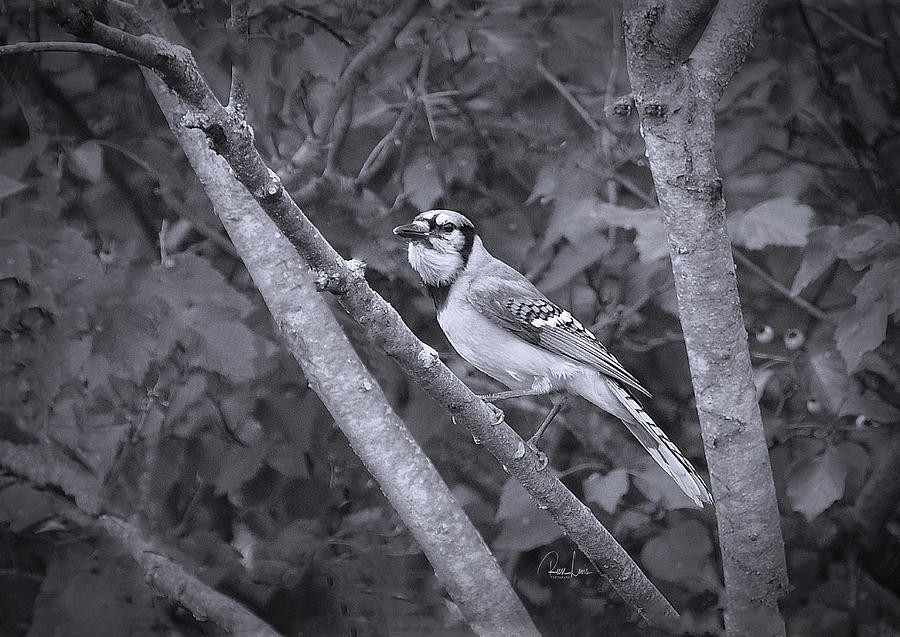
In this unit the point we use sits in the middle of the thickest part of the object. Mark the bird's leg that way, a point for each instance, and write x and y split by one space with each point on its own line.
560 400
506 395
512 393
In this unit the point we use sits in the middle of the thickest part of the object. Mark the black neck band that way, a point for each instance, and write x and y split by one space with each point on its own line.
439 293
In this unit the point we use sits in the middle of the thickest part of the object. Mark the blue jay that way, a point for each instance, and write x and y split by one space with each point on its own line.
501 324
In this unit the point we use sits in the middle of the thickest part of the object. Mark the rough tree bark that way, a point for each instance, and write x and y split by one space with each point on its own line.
676 89
231 138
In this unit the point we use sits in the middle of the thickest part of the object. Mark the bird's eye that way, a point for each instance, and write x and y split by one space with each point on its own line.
448 227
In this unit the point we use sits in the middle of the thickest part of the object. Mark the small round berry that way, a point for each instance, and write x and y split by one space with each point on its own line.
794 338
764 334
813 406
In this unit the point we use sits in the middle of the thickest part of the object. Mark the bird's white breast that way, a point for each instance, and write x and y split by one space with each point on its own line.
501 354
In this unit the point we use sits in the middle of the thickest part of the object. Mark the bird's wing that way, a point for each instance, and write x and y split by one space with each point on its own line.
512 302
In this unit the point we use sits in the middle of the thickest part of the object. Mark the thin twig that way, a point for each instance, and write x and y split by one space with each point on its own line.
606 136
630 186
485 138
860 35
748 263
382 150
34 20
68 47
570 98
199 225
303 13
240 27
422 91
342 121
614 61
382 35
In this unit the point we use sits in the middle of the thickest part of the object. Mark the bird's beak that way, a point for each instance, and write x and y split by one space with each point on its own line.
414 230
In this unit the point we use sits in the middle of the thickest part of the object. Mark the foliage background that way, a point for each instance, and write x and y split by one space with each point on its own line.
134 345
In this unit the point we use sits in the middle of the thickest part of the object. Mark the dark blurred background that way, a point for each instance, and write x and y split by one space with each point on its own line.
134 344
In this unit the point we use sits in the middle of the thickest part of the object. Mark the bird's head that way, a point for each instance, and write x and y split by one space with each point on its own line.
440 242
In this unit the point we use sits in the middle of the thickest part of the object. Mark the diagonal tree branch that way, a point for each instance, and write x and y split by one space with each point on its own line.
726 39
72 47
783 290
231 138
40 467
353 397
675 22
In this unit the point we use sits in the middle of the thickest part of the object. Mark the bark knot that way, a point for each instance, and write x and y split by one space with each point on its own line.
330 282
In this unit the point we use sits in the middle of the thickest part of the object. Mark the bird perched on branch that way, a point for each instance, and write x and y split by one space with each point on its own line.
500 323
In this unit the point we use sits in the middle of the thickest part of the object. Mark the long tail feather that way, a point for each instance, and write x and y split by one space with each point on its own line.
662 450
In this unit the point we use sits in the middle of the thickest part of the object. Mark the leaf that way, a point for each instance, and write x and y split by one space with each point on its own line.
814 484
880 283
323 54
650 238
863 239
572 260
239 466
288 459
10 187
606 490
15 262
524 526
22 506
186 394
191 282
225 347
855 457
874 118
460 164
870 406
736 143
193 304
779 222
91 588
572 220
680 555
658 487
753 75
502 40
576 219
564 181
86 161
761 378
820 252
128 338
828 379
422 183
859 332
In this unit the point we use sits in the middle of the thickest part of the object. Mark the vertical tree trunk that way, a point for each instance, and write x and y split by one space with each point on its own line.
676 105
